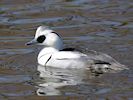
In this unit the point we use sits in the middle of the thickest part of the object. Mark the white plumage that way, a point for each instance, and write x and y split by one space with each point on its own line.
53 54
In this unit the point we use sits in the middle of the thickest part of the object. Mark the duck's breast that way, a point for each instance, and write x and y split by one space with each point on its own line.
66 59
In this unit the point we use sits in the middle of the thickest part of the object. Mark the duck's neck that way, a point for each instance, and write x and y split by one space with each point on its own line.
49 50
54 47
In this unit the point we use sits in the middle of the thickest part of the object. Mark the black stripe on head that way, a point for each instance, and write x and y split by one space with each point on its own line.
56 34
41 38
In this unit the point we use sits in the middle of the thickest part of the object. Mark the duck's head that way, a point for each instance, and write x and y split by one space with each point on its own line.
47 37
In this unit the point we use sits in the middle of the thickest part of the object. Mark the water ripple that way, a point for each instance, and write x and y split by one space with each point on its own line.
14 78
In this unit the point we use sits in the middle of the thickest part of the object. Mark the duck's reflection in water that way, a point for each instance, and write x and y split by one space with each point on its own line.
54 78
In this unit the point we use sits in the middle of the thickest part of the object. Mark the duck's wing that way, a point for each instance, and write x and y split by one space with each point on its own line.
104 62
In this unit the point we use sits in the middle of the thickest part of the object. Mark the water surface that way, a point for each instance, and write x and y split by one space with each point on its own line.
101 25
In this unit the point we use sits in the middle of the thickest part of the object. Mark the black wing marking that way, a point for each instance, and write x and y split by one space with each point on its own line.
68 49
101 62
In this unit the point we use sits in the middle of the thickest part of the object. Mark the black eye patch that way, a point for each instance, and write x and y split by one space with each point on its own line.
41 38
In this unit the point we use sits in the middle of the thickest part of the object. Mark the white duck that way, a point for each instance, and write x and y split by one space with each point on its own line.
55 55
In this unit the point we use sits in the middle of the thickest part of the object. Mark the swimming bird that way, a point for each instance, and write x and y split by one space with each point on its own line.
55 55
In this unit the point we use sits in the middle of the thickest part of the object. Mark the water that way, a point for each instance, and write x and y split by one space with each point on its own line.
101 25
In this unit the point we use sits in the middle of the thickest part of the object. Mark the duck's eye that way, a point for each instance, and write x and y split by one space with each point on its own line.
41 38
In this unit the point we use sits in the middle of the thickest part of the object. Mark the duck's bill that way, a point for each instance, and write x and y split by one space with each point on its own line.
31 42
